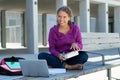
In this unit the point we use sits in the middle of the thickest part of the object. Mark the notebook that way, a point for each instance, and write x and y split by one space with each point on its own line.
13 65
71 54
38 68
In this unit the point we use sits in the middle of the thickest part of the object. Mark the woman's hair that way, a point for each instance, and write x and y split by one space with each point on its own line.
67 10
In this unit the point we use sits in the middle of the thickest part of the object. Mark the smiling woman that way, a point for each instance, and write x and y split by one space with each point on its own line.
64 37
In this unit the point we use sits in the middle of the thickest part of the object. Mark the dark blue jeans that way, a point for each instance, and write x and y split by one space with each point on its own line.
57 63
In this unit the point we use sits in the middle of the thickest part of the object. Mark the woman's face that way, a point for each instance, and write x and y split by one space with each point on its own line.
63 18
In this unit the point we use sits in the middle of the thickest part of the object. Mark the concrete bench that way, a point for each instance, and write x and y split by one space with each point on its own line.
100 41
93 43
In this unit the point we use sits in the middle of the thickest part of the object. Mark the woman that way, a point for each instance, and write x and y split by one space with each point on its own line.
63 38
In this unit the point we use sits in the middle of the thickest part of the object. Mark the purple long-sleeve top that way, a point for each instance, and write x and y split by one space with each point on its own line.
59 42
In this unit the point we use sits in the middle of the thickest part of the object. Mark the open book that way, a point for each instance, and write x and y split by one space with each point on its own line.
71 54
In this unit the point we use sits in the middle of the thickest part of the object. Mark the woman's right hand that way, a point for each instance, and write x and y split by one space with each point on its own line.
61 57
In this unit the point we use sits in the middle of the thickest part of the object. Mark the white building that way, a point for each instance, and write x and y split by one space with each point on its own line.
25 23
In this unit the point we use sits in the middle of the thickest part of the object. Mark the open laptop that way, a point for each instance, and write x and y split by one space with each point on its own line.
38 68
34 68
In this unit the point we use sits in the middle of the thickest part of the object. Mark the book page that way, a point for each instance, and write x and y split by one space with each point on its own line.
71 54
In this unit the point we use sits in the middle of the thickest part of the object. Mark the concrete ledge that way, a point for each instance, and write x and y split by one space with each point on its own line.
90 67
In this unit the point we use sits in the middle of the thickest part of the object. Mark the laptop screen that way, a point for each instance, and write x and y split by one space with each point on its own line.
34 68
13 65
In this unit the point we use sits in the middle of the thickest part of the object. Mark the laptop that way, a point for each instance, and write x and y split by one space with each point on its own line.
38 68
34 68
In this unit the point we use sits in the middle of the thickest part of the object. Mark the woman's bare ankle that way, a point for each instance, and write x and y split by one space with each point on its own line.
74 67
68 66
49 66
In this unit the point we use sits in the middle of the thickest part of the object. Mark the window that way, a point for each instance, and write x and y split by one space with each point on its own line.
14 29
45 22
12 22
40 29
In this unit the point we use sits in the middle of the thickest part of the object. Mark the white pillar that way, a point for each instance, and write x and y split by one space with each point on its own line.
32 25
84 15
60 3
117 19
102 18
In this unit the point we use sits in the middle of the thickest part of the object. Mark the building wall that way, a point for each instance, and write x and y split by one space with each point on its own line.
49 7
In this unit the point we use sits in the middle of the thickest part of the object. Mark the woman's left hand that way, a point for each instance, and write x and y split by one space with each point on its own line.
61 57
74 46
